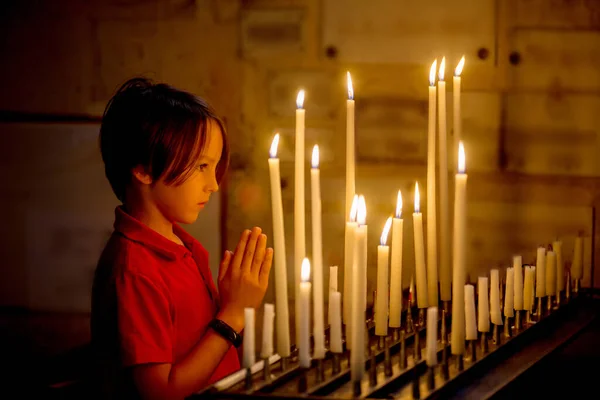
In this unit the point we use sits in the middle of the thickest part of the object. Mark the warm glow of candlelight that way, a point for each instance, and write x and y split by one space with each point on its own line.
386 231
417 198
459 67
315 156
274 145
432 73
305 271
461 158
361 215
442 69
354 208
300 99
350 87
399 205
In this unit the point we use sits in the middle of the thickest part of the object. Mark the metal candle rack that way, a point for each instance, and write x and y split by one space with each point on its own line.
395 369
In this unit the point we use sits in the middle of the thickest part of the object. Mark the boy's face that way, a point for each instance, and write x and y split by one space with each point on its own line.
182 203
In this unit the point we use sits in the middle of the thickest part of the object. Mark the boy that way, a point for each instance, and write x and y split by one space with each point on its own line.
159 328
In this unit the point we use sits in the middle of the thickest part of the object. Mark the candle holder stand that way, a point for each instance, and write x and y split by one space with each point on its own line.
402 359
460 362
568 288
540 309
266 369
336 364
518 324
507 330
248 380
320 371
473 345
431 378
443 329
484 343
387 359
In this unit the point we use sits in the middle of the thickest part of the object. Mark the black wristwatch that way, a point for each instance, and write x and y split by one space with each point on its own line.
226 332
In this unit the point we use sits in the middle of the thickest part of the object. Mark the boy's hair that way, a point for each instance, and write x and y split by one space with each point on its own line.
159 127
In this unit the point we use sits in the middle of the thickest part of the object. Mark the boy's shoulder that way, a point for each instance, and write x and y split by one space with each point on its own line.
126 255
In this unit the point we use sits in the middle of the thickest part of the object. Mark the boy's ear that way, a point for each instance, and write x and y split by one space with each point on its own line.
141 175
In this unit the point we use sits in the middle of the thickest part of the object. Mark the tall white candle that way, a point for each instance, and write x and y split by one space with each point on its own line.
518 281
509 295
528 289
431 337
470 319
560 266
267 335
459 256
383 256
495 310
577 264
432 264
359 295
349 245
396 266
421 269
445 259
303 327
317 243
299 213
550 273
335 332
350 156
483 320
456 92
540 270
333 287
249 355
281 282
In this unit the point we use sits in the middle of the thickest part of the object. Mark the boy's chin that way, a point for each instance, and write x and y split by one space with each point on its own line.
190 218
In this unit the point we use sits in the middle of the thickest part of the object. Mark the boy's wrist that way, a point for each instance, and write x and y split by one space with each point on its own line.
234 320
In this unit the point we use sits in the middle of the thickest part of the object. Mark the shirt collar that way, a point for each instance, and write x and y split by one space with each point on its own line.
141 233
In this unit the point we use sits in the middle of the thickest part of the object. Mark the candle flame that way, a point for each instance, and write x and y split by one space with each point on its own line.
354 208
432 73
459 67
461 158
361 215
399 205
305 271
350 87
315 156
274 146
300 99
417 198
386 231
442 69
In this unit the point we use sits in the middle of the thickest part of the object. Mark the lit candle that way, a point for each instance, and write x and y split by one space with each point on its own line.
350 156
577 264
456 104
396 266
550 273
431 337
509 294
483 320
540 269
445 261
335 331
281 282
317 243
359 294
470 319
459 256
249 355
267 336
299 223
421 271
381 308
432 265
303 327
495 310
560 267
349 244
333 287
518 281
528 289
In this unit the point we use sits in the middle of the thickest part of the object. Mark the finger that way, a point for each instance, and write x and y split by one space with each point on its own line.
250 249
265 268
224 264
259 254
238 255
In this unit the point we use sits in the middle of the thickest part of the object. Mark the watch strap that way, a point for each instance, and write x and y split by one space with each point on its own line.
227 332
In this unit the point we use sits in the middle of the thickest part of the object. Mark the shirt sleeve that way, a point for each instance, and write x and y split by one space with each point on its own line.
144 319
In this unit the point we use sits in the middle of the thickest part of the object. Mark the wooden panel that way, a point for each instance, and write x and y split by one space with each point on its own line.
272 32
549 134
557 60
407 32
562 14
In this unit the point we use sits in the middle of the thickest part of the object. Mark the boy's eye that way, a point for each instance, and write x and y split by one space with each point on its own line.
201 167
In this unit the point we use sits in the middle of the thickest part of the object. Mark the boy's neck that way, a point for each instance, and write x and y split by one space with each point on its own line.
151 216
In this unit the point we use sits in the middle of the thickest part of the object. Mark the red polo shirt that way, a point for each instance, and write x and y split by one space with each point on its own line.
152 301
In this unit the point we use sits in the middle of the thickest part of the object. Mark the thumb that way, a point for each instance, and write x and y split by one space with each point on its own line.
224 265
